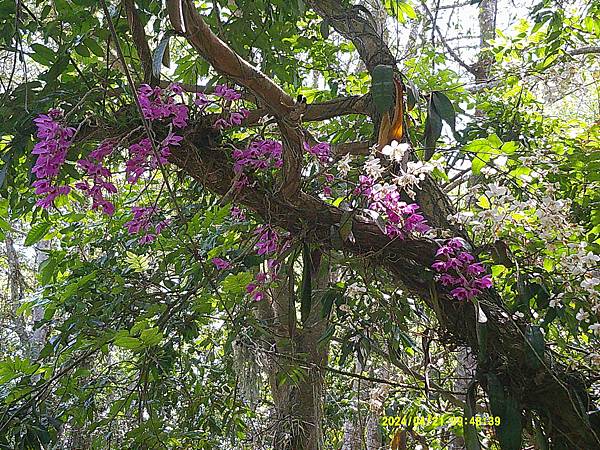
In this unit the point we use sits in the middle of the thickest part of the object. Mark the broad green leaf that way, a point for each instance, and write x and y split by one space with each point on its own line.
43 54
433 127
382 88
138 263
37 233
236 283
534 346
470 431
505 406
94 47
443 107
128 342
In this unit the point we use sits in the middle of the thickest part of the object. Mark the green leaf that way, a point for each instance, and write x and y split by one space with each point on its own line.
534 347
505 406
327 301
94 47
138 263
128 342
407 9
37 232
151 336
444 109
383 88
508 148
82 50
306 293
412 94
470 431
433 127
43 54
159 53
236 283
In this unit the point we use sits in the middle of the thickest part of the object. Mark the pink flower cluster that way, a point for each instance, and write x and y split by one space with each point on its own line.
156 105
51 148
269 243
256 289
258 155
327 191
228 95
235 119
143 222
221 264
159 104
457 268
237 213
268 240
143 159
322 151
99 176
400 217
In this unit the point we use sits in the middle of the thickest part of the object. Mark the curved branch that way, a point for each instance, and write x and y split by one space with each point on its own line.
357 24
225 61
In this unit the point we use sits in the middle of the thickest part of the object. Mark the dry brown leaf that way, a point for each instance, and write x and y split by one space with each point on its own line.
399 440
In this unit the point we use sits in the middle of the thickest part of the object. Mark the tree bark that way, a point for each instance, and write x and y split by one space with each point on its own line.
16 289
296 358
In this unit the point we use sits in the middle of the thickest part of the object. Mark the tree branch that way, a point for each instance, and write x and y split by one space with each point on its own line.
450 50
225 61
357 24
140 41
279 103
585 50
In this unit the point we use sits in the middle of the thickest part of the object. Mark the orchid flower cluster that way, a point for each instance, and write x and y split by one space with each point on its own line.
400 218
143 222
53 144
269 243
259 155
322 151
159 104
457 268
225 95
54 141
99 176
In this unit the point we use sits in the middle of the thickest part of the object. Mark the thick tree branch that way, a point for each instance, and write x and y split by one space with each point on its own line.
357 24
225 61
279 103
585 50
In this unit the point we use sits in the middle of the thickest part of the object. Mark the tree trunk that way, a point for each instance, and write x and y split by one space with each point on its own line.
487 28
295 363
353 425
16 288
40 333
